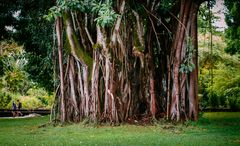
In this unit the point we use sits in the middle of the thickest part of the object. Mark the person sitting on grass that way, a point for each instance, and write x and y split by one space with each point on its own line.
19 108
14 108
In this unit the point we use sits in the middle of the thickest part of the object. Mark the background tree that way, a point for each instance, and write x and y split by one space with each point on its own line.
233 21
216 93
13 78
219 71
7 10
23 21
36 34
15 82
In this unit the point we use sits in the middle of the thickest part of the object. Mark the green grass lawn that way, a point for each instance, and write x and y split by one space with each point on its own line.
220 129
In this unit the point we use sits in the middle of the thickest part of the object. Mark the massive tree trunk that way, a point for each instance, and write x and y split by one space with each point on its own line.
132 69
193 95
185 82
177 47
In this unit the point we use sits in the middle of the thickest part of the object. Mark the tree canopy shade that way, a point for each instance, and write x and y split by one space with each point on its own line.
126 59
7 10
233 22
23 21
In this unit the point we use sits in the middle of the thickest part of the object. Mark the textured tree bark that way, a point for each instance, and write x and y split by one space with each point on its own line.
131 70
187 27
168 86
60 58
153 97
193 89
70 34
95 85
177 45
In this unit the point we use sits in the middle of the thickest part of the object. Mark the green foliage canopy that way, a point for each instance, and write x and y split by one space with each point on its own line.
30 29
233 22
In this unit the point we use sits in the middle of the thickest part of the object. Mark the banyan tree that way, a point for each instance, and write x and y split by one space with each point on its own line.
126 59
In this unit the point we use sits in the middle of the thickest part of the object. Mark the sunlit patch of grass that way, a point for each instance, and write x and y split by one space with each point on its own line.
211 129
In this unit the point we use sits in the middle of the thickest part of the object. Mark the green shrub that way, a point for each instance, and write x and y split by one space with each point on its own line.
29 102
233 97
213 100
42 95
5 99
35 98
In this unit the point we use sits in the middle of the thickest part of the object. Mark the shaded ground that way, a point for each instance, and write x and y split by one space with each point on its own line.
212 129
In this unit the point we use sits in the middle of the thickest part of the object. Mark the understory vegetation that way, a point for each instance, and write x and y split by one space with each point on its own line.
15 83
219 74
211 129
219 58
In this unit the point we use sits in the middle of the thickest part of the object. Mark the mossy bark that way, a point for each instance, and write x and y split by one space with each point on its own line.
131 70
